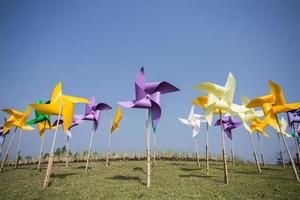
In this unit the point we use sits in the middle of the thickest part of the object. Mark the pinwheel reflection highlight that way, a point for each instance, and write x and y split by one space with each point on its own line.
148 96
194 121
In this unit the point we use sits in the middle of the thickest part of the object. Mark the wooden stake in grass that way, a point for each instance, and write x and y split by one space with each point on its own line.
287 150
154 147
51 158
18 150
67 152
148 149
108 145
196 151
280 150
261 149
7 150
2 144
232 152
226 179
297 146
254 153
206 150
41 154
90 149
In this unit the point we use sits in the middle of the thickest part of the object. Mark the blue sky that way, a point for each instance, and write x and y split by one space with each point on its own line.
97 47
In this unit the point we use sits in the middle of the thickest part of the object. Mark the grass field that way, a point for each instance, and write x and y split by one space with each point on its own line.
171 180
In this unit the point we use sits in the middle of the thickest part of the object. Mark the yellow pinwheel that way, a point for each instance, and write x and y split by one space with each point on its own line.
118 117
114 126
273 104
18 120
60 103
256 126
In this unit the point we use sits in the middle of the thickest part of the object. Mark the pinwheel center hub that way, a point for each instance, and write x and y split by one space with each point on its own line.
148 96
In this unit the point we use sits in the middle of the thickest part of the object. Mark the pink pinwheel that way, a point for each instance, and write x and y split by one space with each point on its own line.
148 96
228 124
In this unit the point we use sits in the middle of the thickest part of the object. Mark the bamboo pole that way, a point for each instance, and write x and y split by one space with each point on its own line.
148 149
90 149
288 151
232 152
108 145
254 153
196 151
280 150
2 143
67 152
226 179
297 147
261 149
41 154
51 158
18 150
7 150
206 151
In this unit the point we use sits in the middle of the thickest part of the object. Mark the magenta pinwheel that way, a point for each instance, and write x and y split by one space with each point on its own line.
148 96
228 124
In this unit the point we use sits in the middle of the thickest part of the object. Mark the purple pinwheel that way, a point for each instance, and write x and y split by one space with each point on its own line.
293 119
228 125
148 96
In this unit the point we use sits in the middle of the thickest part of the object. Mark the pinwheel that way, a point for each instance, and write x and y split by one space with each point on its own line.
60 105
219 98
2 137
114 126
228 124
92 113
43 122
293 118
272 104
148 97
18 120
255 126
194 121
247 115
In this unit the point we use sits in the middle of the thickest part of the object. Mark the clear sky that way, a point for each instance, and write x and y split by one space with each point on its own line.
97 47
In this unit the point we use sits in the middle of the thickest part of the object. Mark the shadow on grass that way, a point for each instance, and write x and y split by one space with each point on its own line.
246 172
272 169
176 164
81 167
127 178
139 169
62 175
194 175
189 169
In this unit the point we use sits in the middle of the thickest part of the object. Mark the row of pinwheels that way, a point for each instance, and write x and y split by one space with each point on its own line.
219 101
62 106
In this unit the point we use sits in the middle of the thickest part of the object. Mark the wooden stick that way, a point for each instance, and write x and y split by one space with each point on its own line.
2 144
51 158
148 149
226 179
90 149
18 150
7 150
154 147
297 147
206 151
67 152
254 153
108 145
196 151
232 152
261 149
41 154
280 150
288 150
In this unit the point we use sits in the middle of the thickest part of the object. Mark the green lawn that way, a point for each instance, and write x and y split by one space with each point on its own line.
171 180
